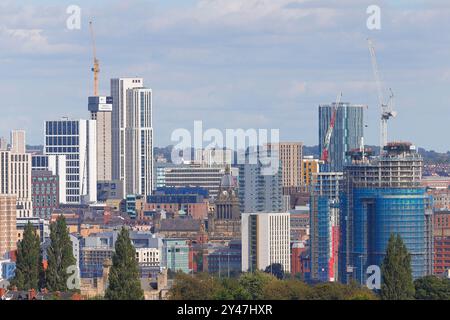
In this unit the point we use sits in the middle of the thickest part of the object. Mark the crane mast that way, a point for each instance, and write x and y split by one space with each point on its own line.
96 67
386 108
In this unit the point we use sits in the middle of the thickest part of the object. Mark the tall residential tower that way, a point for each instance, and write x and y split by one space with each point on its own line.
347 134
132 135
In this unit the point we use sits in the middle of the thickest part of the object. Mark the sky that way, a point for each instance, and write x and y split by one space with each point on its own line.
262 64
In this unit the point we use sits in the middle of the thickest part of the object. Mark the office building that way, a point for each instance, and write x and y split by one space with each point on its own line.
213 157
208 178
56 164
383 196
15 174
186 201
76 139
324 225
347 134
45 193
265 241
175 255
101 112
225 261
8 232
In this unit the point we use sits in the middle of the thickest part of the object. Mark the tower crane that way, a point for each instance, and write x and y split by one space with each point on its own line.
327 141
96 68
387 111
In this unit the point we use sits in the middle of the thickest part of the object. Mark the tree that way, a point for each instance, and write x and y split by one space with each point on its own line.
199 287
124 279
432 288
397 281
254 283
275 269
291 289
28 261
60 256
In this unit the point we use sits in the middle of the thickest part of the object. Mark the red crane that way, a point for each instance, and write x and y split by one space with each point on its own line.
327 141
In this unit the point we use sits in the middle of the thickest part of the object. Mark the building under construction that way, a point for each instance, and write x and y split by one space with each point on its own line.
324 225
383 196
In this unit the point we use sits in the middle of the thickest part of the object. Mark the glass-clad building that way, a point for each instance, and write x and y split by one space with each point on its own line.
76 140
347 133
382 196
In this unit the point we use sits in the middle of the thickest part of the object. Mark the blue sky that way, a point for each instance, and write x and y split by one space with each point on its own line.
231 63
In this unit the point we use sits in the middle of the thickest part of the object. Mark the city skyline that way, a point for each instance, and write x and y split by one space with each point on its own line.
201 68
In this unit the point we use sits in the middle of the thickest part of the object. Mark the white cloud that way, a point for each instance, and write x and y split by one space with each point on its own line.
31 41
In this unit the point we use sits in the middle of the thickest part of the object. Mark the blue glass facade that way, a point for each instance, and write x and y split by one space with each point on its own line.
377 213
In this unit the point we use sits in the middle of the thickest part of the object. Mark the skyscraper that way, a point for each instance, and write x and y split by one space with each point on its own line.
347 134
260 190
383 196
120 114
324 225
76 139
139 143
101 111
15 174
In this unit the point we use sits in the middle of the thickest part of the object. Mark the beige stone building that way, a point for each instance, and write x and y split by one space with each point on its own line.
15 174
101 111
291 154
8 231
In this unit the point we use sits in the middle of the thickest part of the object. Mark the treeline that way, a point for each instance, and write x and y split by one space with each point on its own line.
261 286
273 284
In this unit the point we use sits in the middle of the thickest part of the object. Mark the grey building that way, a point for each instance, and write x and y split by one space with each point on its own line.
108 190
260 191
347 134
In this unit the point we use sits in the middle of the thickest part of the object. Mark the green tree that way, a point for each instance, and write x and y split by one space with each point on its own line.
291 289
397 281
276 269
231 289
432 288
254 283
60 256
28 262
199 287
124 279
